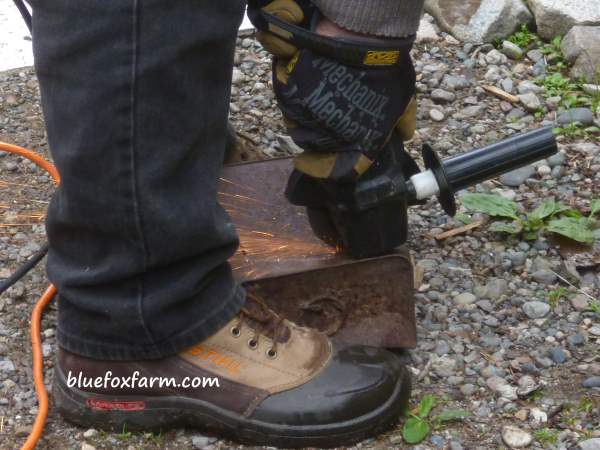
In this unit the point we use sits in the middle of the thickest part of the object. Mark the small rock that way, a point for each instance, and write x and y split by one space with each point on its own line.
535 55
515 437
201 442
579 302
90 433
591 89
455 83
513 51
237 77
544 276
584 116
22 430
558 355
470 111
553 102
576 339
536 310
522 415
501 386
468 389
527 386
427 32
86 446
442 348
436 115
590 444
544 170
538 416
6 365
595 330
530 101
517 177
454 445
527 86
495 57
557 160
496 288
466 298
444 366
442 96
592 382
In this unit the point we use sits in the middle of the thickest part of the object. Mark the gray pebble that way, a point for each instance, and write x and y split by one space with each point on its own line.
558 355
544 276
557 160
590 444
442 96
466 298
584 116
536 310
576 339
517 177
592 382
513 51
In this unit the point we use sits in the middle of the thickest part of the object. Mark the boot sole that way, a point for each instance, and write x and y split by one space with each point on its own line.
144 413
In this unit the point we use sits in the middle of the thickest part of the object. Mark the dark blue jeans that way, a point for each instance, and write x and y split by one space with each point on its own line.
136 94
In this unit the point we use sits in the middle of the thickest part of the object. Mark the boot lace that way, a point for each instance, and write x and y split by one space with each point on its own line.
263 321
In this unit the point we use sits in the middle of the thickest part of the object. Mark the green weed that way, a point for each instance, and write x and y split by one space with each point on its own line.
418 426
555 295
524 38
550 216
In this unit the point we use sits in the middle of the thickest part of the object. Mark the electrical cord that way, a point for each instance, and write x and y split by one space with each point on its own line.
25 14
36 316
24 269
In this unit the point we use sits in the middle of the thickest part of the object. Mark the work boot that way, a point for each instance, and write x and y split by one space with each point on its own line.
266 381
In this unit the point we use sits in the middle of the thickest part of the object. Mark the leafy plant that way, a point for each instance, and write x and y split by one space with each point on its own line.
524 38
156 438
492 205
576 130
549 216
418 426
586 405
555 295
463 218
546 436
594 306
557 85
124 434
554 52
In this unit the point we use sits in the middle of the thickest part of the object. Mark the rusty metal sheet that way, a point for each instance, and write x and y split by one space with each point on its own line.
368 301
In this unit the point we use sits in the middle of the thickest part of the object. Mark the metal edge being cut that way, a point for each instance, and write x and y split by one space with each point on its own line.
367 302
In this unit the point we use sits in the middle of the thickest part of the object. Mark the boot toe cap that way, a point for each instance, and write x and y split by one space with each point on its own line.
356 381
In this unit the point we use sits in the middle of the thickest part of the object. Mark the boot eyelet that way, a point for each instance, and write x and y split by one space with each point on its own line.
271 354
253 344
235 332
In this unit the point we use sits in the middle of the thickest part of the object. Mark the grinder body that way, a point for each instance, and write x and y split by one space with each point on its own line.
369 217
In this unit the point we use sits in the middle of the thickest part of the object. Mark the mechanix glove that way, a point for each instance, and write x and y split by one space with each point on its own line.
349 105
341 99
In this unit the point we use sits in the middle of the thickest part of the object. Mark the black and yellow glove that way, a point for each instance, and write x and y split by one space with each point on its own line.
341 99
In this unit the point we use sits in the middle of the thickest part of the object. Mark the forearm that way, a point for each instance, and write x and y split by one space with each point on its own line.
391 18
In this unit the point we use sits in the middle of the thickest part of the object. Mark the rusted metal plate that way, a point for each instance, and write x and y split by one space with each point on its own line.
359 302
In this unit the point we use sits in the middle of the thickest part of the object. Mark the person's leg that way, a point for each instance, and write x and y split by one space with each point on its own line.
135 95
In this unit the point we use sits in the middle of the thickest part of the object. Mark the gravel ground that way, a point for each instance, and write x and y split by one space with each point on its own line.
490 341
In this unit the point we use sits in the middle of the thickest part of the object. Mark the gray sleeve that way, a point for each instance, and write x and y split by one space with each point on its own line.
390 18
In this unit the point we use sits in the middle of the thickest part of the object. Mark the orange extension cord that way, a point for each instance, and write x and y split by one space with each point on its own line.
36 316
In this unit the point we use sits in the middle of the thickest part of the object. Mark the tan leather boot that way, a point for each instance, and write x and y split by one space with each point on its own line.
261 380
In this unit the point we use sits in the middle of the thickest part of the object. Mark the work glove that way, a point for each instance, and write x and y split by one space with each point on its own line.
342 111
